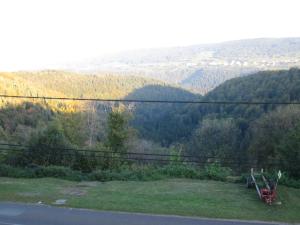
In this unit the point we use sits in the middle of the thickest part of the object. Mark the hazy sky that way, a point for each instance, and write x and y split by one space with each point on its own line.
37 33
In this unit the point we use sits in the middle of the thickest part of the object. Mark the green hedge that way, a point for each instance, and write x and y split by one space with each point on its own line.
134 173
39 172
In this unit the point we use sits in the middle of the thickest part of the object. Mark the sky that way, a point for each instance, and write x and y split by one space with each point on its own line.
38 34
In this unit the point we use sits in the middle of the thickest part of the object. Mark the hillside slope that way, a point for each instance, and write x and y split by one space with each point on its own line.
262 134
217 62
267 134
67 84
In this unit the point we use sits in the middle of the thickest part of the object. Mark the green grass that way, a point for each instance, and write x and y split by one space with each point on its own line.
175 196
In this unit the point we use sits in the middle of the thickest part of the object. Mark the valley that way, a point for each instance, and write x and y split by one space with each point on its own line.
199 130
200 67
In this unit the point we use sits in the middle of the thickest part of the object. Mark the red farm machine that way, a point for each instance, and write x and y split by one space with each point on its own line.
265 188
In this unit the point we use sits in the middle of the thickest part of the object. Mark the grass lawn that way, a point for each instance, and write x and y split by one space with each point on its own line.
175 196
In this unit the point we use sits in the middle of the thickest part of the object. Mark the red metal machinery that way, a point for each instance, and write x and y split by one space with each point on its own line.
268 191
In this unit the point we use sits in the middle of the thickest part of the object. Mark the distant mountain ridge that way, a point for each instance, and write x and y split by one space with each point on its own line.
217 62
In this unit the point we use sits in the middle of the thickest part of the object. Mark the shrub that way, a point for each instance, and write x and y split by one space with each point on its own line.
135 173
289 182
183 171
215 171
9 171
126 174
38 172
59 172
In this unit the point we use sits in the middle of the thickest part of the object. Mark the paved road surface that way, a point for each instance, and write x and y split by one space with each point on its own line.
30 214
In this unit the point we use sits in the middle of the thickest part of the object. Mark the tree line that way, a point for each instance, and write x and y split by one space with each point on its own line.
236 136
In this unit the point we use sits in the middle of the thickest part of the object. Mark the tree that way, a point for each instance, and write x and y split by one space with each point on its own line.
117 132
48 147
216 138
274 139
288 152
73 127
3 135
116 137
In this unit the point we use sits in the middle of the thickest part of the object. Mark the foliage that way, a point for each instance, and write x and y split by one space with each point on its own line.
215 171
247 134
289 182
40 171
275 140
288 152
163 123
49 147
85 162
127 174
251 134
216 138
183 171
116 132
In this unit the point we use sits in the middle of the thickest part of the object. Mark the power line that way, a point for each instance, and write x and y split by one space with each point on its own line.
182 158
116 157
197 160
102 151
154 101
115 152
179 162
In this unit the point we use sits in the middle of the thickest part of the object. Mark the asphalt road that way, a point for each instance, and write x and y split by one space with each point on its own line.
30 214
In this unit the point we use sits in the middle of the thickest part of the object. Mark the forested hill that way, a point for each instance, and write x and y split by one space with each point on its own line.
61 83
66 84
240 132
170 123
83 122
202 67
162 123
266 133
270 86
267 86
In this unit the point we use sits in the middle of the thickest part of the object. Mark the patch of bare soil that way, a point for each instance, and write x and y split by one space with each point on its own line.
79 189
29 194
87 184
75 191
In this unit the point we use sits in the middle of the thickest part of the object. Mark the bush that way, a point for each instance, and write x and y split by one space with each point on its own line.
284 180
84 163
100 175
9 171
289 182
182 171
135 173
126 173
215 171
59 172
39 172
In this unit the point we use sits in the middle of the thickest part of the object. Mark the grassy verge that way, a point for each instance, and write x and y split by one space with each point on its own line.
175 196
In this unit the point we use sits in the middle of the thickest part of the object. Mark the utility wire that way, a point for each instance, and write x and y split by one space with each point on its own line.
101 151
107 156
115 157
179 162
114 152
154 101
198 159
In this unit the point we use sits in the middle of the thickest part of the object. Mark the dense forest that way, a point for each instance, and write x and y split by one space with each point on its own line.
266 135
256 132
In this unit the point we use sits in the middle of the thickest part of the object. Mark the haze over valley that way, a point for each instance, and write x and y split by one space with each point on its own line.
200 68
